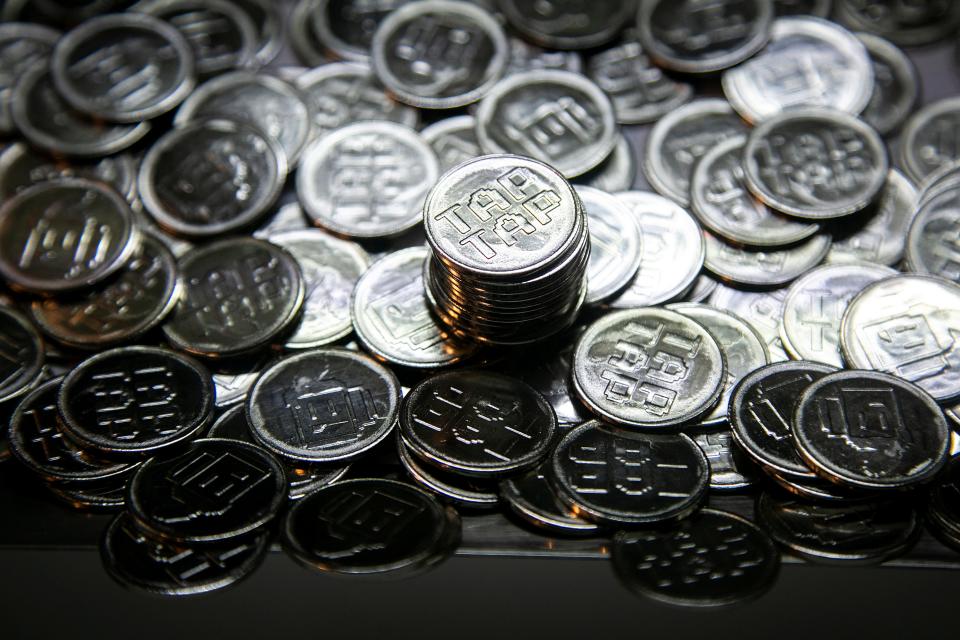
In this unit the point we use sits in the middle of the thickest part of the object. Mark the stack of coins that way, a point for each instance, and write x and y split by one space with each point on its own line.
509 247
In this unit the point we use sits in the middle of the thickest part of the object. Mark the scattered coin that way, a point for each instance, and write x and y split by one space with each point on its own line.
818 8
552 23
616 173
346 27
762 310
528 57
22 166
98 495
730 469
22 45
896 87
928 139
459 490
268 21
932 236
943 505
702 288
532 498
454 140
303 34
763 268
23 356
918 24
615 244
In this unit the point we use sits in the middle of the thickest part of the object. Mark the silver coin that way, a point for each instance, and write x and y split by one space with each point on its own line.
818 489
763 268
682 136
123 67
907 24
944 178
702 288
558 117
454 140
22 166
22 45
331 267
929 139
464 492
367 180
814 307
640 92
289 217
616 173
743 350
564 25
896 88
784 165
268 21
303 35
730 469
531 497
808 62
347 27
615 244
528 57
818 8
23 355
436 54
932 240
231 387
392 318
211 177
673 251
266 102
763 310
904 326
648 368
721 201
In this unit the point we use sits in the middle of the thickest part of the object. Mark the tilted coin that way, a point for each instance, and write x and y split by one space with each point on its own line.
761 414
818 8
135 400
932 240
560 25
896 88
682 136
648 368
533 499
303 35
267 19
64 235
94 495
783 163
346 27
814 308
763 310
819 490
763 267
943 179
871 430
215 490
616 173
324 405
622 478
22 166
943 504
702 288
711 559
22 354
904 326
124 67
468 493
557 117
22 45
454 140
527 57
477 423
809 62
915 24
367 180
730 469
239 295
929 139
615 244
232 384
289 217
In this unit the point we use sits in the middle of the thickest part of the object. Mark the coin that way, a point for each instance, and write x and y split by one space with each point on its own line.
730 469
809 62
896 87
918 24
324 405
367 180
762 310
929 243
766 267
814 307
123 67
624 478
557 117
702 288
232 383
871 430
819 8
559 25
648 368
22 45
239 295
614 174
531 497
712 559
98 495
761 411
818 489
454 140
303 36
528 57
928 139
22 166
615 244
943 505
346 27
463 492
268 21
682 136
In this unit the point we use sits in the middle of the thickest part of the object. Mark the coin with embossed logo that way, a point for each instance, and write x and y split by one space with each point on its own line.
22 354
763 267
23 166
763 310
930 139
454 140
563 25
532 498
615 244
896 88
22 45
931 240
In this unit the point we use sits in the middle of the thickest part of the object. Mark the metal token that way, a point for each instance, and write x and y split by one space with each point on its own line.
22 45
712 559
232 383
464 492
533 499
763 310
783 163
871 430
528 57
761 411
818 8
648 368
819 489
730 469
896 87
682 136
136 301
367 180
943 505
454 140
347 27
477 423
22 166
904 326
763 268
558 117
21 354
267 19
928 141
690 38
914 24
124 67
436 54
64 235
392 318
303 36
673 251
621 478
814 307
930 247
809 62
702 288
215 490
616 173
324 405
615 244
289 217
562 25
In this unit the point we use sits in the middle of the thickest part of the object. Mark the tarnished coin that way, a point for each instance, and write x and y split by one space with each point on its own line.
763 310
763 267
436 54
907 24
929 139
558 117
818 8
367 180
640 92
528 57
454 140
691 38
672 251
215 490
22 166
809 62
135 400
616 173
618 477
22 45
346 27
761 411
64 235
22 354
331 268
562 25
648 368
615 244
742 347
324 405
932 240
532 498
905 326
814 307
392 318
468 493
712 559
896 88
730 469
783 163
682 136
124 67
477 423
239 295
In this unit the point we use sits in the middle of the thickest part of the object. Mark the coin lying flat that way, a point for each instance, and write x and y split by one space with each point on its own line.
917 24
533 499
454 140
615 244
22 45
762 310
926 143
896 87
468 493
730 469
552 23
23 356
23 166
701 289
763 268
